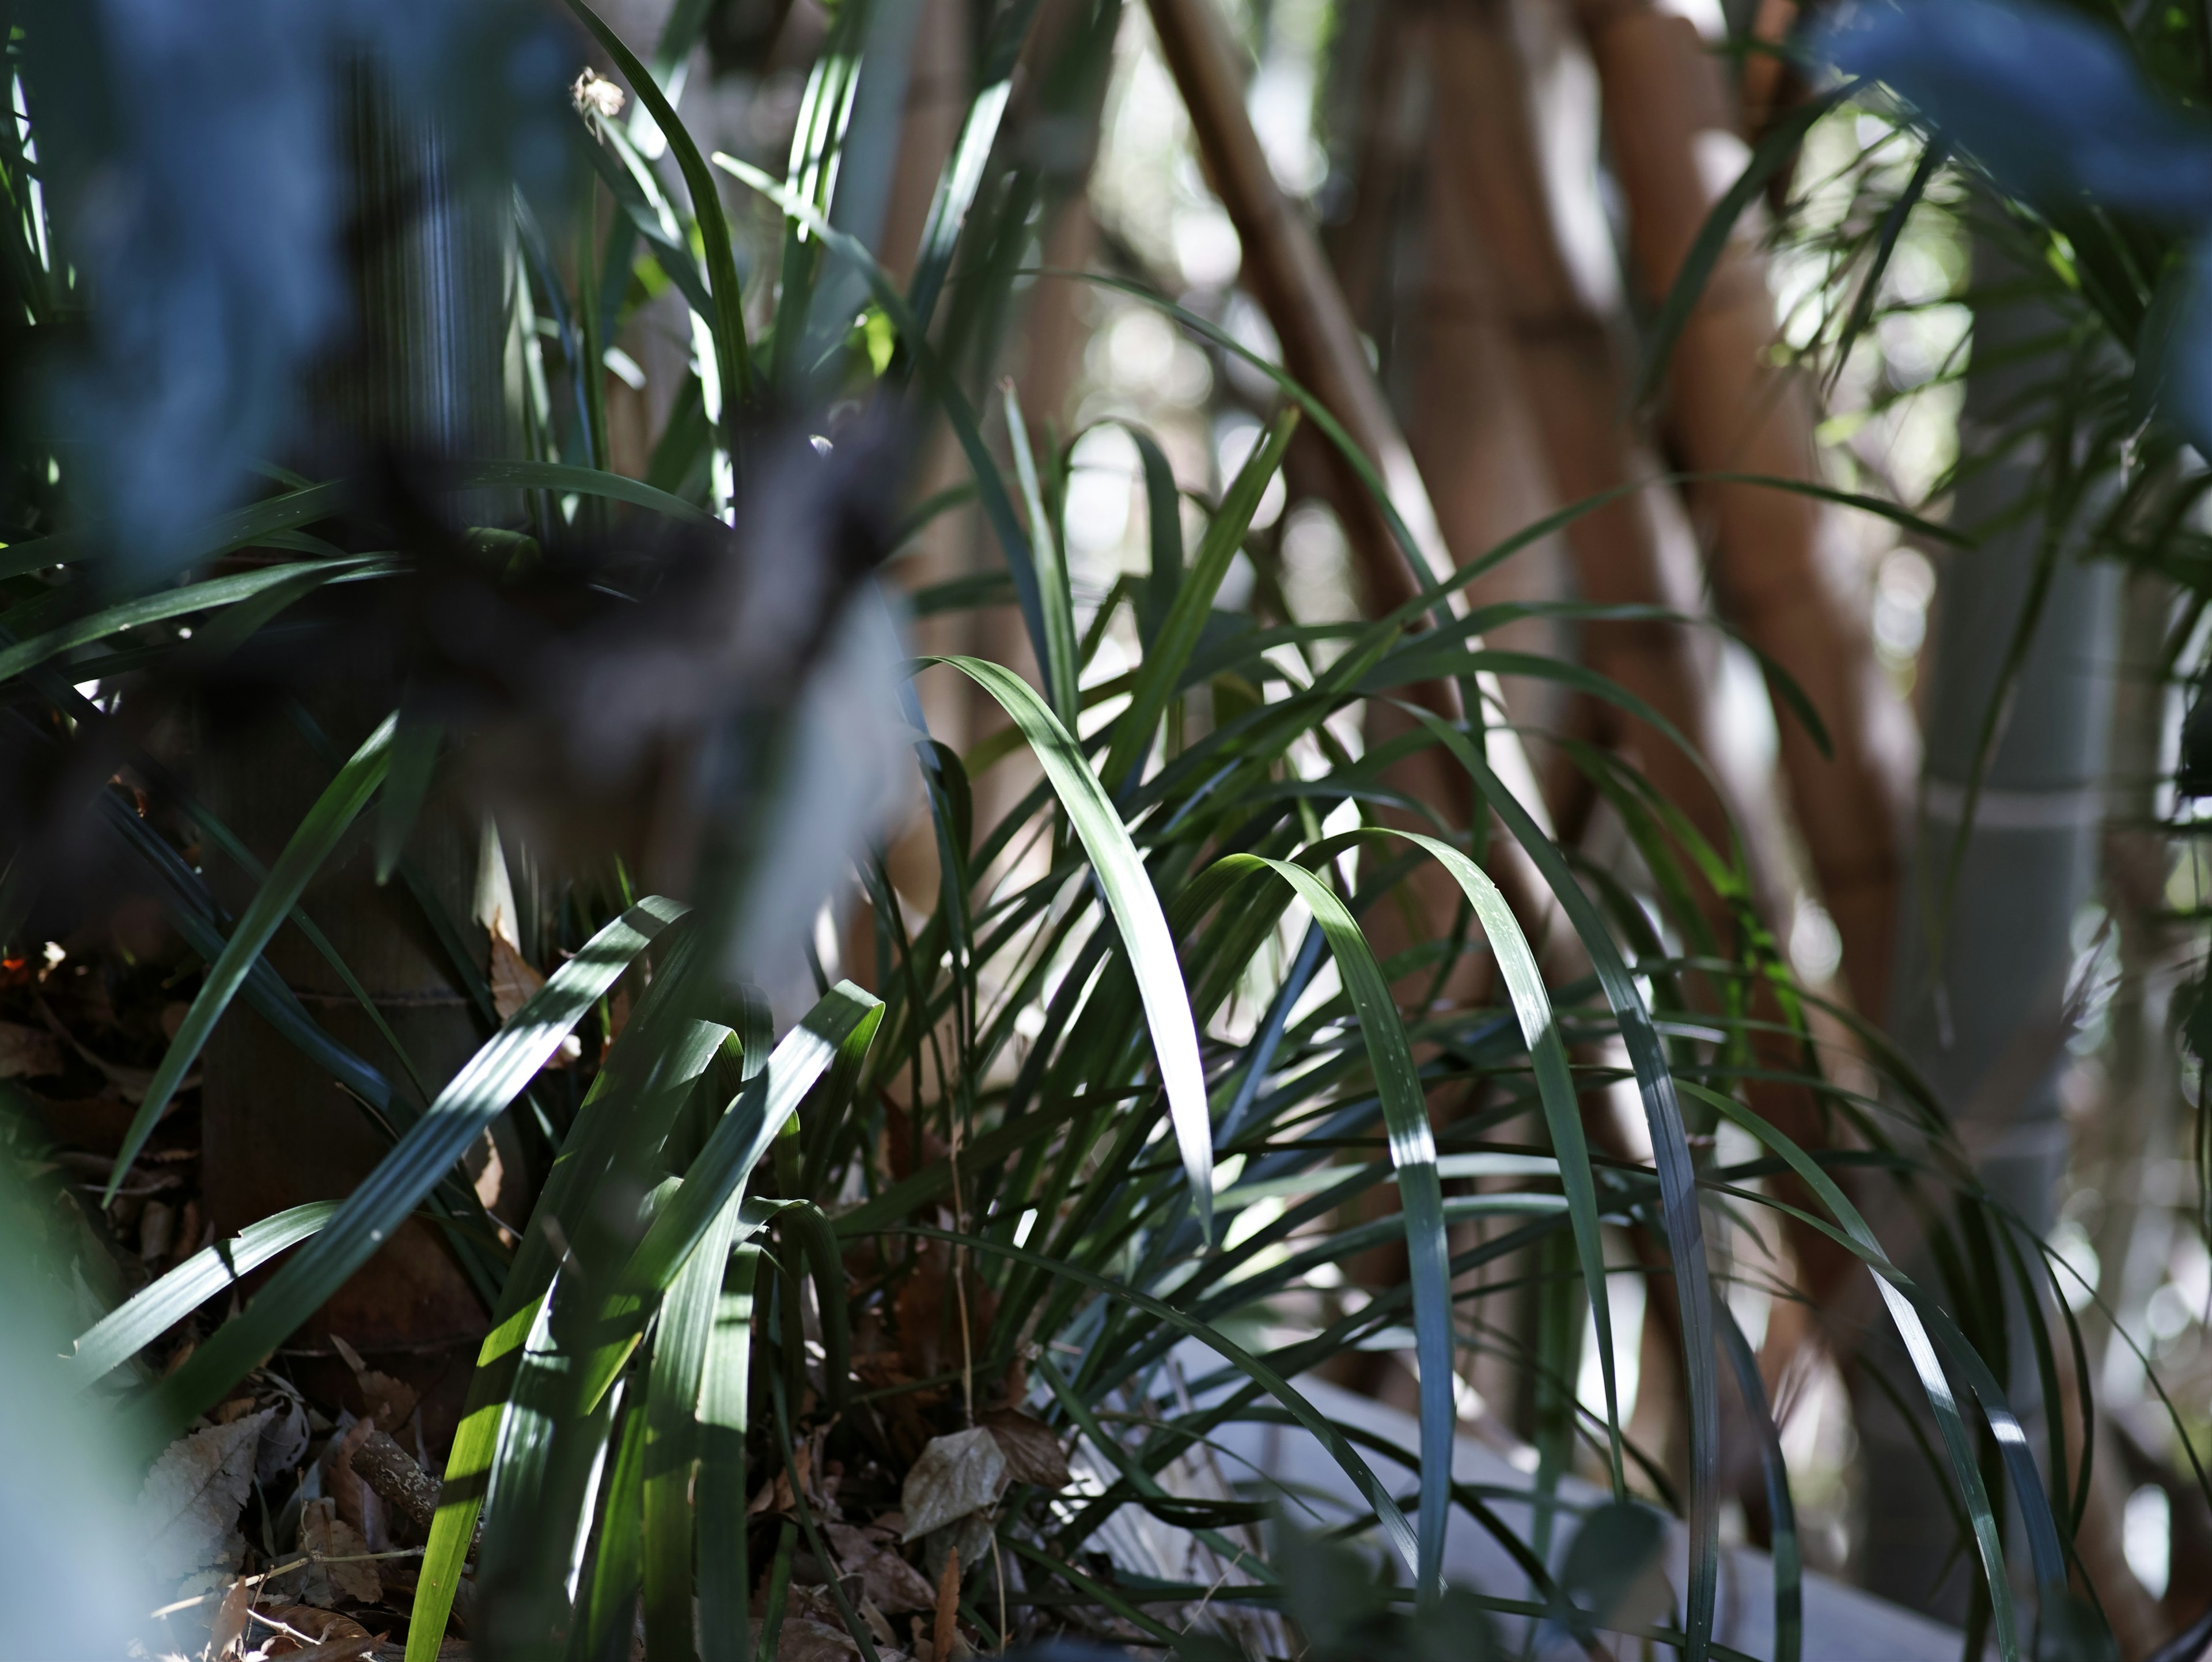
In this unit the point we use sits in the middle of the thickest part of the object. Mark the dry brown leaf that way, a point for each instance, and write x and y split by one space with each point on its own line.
1033 1453
889 1582
187 1512
947 1627
328 1537
801 1640
301 1628
284 1440
227 1635
359 1506
391 1401
956 1475
513 979
28 1052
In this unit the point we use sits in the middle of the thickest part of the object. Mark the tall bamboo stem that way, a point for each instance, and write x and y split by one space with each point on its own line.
1779 567
1287 273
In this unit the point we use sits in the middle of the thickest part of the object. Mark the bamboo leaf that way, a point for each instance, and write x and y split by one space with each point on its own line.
153 1310
1159 673
1136 909
1413 1153
311 844
492 1079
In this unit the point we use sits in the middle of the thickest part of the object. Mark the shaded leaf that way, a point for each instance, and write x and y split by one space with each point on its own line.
956 1475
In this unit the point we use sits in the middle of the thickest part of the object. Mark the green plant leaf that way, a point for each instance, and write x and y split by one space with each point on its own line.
1058 660
30 651
732 352
1677 1173
319 834
153 1310
1136 909
1777 148
583 481
1555 1087
492 1079
1160 672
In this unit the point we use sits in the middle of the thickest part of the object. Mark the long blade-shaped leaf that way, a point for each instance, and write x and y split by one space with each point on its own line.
1161 672
725 1594
478 1095
732 353
1678 1175
153 1311
681 1340
32 650
1046 555
837 1030
311 845
1370 1487
1136 908
1555 1087
1414 1153
584 481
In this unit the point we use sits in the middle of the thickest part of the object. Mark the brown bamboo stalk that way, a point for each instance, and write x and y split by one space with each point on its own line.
1519 331
1779 567
1287 272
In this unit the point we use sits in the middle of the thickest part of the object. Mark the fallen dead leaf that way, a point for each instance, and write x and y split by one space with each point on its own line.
890 1582
1033 1453
301 1630
330 1538
947 1627
387 1401
801 1640
956 1475
227 1635
513 979
28 1053
284 1440
187 1512
359 1506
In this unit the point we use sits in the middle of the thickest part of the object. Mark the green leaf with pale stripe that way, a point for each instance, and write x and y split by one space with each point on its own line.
477 1095
153 1311
1161 672
1413 1153
1136 909
311 844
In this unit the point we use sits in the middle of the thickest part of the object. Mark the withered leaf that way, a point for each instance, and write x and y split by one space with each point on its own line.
340 1569
322 1627
957 1475
1033 1453
187 1512
226 1636
513 979
28 1052
358 1504
891 1583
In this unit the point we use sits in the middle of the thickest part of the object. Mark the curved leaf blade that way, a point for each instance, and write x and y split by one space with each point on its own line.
1136 909
478 1095
311 844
